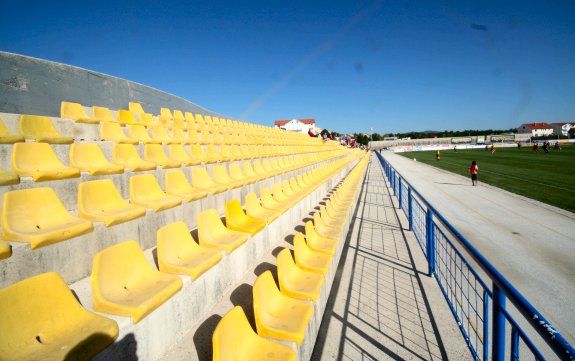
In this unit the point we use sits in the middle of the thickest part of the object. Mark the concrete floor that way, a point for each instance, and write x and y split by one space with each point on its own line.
383 305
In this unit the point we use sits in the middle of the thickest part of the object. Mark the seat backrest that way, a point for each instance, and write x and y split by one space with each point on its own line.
30 209
97 195
197 152
176 182
155 153
265 292
248 170
221 175
201 178
174 240
111 131
135 108
34 157
138 131
233 210
4 132
147 119
145 184
69 110
231 336
166 114
87 155
126 154
160 132
236 172
33 126
209 222
178 135
126 117
103 114
252 202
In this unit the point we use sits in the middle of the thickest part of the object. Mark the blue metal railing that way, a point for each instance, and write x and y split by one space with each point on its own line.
481 312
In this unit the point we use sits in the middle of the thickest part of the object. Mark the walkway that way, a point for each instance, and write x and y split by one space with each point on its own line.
382 304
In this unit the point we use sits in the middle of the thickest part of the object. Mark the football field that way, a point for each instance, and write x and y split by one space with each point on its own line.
549 178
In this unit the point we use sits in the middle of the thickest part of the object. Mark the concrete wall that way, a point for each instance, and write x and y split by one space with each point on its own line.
34 86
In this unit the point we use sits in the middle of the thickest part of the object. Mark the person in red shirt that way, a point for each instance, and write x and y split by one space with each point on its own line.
473 170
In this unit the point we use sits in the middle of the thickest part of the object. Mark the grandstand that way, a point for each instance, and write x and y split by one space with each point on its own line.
149 213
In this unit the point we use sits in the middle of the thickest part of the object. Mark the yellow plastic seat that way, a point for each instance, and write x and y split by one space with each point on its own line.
38 160
237 175
325 230
249 171
280 196
6 137
308 259
160 135
76 112
103 114
205 137
88 157
179 119
289 191
41 129
42 320
296 282
255 209
269 168
179 253
125 284
135 108
269 202
237 220
127 156
201 180
234 339
36 216
277 315
5 250
147 119
177 185
337 220
318 242
221 176
8 178
126 117
139 132
193 137
225 154
178 152
145 191
217 138
178 136
235 150
259 169
113 132
196 152
100 201
213 233
155 153
212 154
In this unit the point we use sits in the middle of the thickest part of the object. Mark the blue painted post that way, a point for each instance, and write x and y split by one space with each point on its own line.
498 347
400 192
485 326
410 209
514 345
430 246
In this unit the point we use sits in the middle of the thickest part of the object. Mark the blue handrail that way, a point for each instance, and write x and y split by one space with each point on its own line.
502 288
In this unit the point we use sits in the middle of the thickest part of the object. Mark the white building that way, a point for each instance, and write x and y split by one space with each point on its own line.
296 125
536 129
562 128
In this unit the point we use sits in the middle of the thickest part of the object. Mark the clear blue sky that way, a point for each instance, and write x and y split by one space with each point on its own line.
393 66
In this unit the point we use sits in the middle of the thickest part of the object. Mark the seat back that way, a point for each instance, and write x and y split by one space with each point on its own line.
235 172
178 135
87 155
126 117
155 153
103 114
209 223
174 242
232 335
233 210
34 157
111 131
166 114
201 178
35 126
177 183
126 154
178 152
135 108
99 196
139 132
221 175
248 170
145 185
159 132
197 152
147 119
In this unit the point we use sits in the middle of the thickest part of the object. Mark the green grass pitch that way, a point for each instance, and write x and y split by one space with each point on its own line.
549 178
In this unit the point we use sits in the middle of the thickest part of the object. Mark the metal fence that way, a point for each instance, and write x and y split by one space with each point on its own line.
475 291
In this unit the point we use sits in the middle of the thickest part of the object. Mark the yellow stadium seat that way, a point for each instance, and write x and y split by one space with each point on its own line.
260 171
234 339
139 132
166 114
38 160
88 157
42 320
145 191
113 132
205 137
249 171
336 221
179 119
237 175
178 152
296 282
255 209
317 242
237 220
177 185
323 229
279 195
288 190
269 202
155 153
127 156
217 138
179 253
246 151
161 135
41 129
308 259
103 114
6 137
277 315
212 154
213 233
100 201
36 216
196 152
126 117
235 150
135 108
125 284
221 176
76 112
193 137
8 178
147 119
225 154
5 250
269 168
201 180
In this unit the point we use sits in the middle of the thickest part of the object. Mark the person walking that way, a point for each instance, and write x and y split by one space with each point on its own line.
473 170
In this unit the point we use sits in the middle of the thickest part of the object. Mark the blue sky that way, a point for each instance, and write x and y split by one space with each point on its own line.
393 66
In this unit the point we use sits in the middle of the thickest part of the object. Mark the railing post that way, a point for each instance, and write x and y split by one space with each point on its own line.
485 326
409 209
400 193
498 347
430 246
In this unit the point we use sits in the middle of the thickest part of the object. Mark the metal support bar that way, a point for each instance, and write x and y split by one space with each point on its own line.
498 347
430 246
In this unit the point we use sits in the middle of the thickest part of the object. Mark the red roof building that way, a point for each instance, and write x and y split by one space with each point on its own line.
296 125
536 129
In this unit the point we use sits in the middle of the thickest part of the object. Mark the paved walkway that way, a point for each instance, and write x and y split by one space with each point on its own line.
532 244
382 305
